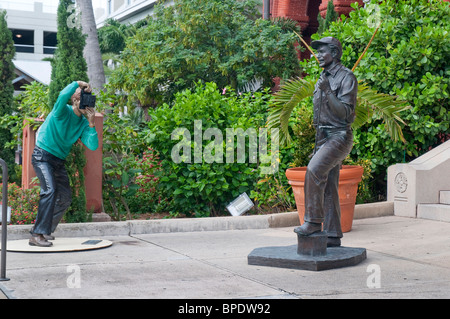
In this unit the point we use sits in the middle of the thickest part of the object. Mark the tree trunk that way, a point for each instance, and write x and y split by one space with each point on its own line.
92 53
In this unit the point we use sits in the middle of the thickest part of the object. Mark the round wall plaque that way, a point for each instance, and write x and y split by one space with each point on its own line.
401 182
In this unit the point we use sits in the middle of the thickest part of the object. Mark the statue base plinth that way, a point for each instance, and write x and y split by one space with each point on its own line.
312 245
287 257
311 253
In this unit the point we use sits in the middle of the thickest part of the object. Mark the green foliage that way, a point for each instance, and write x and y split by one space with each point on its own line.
122 143
7 52
113 35
223 42
272 193
290 95
330 17
23 203
409 58
202 187
149 198
75 163
30 104
68 63
304 133
33 102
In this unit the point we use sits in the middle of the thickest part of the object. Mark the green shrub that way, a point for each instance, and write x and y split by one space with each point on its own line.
122 146
7 75
23 203
148 198
225 42
203 185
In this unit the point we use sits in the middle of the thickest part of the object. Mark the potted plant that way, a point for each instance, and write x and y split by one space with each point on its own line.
369 104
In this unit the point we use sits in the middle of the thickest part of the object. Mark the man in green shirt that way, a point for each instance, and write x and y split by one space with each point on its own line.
62 128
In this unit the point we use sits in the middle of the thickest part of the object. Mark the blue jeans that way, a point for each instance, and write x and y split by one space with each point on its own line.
55 195
322 179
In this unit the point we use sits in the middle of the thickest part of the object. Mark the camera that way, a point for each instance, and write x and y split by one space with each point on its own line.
87 100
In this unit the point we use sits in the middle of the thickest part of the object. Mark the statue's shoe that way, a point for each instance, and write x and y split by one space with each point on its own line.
333 242
308 228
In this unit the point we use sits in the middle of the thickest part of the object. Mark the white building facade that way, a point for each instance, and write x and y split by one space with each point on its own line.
33 25
124 11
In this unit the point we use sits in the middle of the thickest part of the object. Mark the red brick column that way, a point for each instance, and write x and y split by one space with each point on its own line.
93 170
305 13
292 9
28 143
340 6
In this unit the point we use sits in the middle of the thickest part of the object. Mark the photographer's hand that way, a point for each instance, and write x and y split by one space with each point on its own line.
84 86
90 115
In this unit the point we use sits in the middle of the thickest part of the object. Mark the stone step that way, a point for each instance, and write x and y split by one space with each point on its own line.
440 212
444 197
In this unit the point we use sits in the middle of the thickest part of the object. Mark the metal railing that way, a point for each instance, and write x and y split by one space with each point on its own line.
24 48
4 220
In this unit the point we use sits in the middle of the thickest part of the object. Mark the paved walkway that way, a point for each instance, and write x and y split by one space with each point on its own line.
406 258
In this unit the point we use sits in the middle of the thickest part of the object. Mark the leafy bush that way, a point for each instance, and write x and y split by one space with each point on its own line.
224 42
148 198
122 144
272 193
29 105
203 186
7 75
23 203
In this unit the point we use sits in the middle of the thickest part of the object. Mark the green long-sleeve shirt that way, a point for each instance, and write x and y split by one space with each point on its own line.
62 127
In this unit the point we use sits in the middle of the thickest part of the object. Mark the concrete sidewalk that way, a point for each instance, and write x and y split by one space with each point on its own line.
406 258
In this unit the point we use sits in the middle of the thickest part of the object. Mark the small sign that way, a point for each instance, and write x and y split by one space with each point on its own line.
91 242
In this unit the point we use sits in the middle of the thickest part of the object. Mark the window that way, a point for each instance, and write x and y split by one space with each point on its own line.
23 40
49 42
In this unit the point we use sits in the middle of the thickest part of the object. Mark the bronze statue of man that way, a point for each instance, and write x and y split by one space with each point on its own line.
334 112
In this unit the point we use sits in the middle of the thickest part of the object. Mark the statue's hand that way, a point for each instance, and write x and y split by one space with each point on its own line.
324 83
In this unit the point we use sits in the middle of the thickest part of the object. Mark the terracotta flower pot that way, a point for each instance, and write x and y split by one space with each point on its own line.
349 178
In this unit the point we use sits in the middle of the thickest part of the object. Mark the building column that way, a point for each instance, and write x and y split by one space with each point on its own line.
292 9
93 176
340 6
38 41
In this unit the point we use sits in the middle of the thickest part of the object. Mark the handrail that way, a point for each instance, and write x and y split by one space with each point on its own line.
4 220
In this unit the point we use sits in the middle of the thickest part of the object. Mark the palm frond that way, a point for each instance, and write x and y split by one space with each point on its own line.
387 107
292 92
